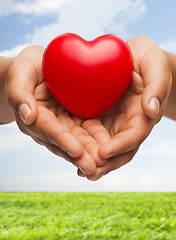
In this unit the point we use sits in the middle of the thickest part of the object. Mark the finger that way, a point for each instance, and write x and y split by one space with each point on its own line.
21 82
98 132
95 129
112 164
127 140
48 128
89 144
156 74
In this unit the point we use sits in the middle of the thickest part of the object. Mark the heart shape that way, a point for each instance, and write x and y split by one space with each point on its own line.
87 77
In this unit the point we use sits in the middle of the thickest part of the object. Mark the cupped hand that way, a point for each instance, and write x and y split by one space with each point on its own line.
132 118
40 116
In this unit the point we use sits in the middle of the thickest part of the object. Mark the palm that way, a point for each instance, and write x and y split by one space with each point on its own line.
51 108
125 119
127 126
126 114
54 113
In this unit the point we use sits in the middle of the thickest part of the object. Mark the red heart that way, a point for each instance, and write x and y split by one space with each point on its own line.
87 77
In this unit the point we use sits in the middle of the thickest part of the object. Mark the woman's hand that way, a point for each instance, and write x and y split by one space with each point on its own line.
132 118
40 116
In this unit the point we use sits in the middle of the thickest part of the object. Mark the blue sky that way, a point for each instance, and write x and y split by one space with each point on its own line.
26 166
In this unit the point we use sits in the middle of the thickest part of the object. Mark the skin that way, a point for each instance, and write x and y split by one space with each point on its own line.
131 119
170 109
95 146
7 115
49 124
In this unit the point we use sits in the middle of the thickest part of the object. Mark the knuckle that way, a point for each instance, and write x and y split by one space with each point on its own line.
90 122
78 131
98 131
82 134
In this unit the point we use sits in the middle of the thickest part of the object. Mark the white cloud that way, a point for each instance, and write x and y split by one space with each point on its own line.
159 146
91 19
138 182
37 7
38 181
45 181
133 11
170 46
68 181
14 51
87 18
5 6
12 139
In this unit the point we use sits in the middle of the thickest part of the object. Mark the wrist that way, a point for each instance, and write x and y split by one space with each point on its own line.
172 61
5 63
170 108
6 114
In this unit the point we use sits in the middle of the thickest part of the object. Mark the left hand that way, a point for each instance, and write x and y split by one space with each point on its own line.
41 117
132 118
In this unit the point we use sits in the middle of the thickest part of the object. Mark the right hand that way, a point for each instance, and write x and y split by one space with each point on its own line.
132 118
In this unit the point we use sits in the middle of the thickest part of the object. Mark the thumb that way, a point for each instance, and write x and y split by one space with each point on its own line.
157 78
20 85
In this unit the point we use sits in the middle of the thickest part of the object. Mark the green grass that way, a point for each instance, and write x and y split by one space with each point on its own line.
100 216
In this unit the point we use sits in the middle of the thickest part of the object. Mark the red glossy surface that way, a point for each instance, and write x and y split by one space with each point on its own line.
87 77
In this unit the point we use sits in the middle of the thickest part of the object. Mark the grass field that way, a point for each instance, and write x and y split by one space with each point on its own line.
88 216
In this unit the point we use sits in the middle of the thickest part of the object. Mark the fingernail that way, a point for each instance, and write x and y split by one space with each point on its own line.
24 112
155 104
69 154
82 170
